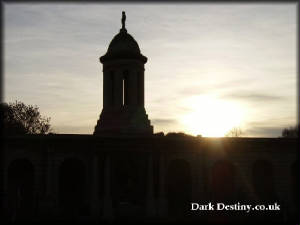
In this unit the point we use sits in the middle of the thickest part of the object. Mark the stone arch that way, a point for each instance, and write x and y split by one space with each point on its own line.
178 187
263 181
129 183
223 186
21 178
72 187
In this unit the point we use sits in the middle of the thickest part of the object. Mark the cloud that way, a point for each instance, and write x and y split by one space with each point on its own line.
264 131
159 121
215 86
194 90
73 129
255 97
268 128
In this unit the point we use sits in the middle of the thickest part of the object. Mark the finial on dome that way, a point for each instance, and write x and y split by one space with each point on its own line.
123 20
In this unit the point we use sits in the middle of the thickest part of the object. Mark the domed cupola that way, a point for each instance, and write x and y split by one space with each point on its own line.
123 46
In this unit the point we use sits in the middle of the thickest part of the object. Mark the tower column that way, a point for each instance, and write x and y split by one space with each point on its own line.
118 89
140 87
132 88
107 90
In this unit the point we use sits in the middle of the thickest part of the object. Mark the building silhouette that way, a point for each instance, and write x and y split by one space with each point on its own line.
125 173
123 110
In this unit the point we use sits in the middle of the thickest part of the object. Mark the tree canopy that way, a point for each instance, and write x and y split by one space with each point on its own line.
291 132
234 132
178 135
19 118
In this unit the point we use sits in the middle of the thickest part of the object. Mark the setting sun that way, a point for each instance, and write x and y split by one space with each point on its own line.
210 116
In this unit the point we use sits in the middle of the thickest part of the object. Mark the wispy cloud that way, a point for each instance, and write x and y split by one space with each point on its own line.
214 86
264 131
254 97
157 121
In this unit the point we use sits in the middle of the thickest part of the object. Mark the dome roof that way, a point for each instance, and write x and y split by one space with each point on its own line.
123 46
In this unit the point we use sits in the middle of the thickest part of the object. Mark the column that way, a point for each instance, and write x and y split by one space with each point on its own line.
141 88
49 201
5 203
162 203
49 187
56 163
126 87
118 89
38 186
107 201
107 89
95 189
282 187
132 87
150 195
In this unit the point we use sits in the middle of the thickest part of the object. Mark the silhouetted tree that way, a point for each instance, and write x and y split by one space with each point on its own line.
234 132
291 132
179 134
18 118
159 134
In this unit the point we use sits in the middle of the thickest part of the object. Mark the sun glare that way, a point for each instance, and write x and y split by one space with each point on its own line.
210 116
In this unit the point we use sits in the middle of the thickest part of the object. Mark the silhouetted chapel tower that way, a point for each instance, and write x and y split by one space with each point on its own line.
123 88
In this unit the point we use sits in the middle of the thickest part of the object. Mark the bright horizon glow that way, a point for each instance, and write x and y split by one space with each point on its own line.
210 116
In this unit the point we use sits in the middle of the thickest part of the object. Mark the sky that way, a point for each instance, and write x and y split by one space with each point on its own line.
211 67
